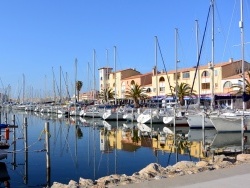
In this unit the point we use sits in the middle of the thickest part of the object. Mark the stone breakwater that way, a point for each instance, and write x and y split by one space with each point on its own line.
155 171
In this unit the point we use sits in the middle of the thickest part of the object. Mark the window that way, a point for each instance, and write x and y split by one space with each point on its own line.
162 79
162 84
123 89
101 78
238 71
205 74
185 75
227 84
216 72
205 86
132 82
162 89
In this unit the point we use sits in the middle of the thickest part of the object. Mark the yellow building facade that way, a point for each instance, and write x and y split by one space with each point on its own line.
158 83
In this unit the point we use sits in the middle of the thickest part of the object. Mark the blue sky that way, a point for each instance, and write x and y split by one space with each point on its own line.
37 35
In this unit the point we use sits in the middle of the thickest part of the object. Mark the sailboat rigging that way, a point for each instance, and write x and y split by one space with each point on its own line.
200 50
238 121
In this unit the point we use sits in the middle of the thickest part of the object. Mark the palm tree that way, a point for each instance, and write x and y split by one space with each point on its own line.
106 94
245 94
78 88
183 90
135 93
239 86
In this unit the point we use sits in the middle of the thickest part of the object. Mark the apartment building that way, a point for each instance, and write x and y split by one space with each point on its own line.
157 83
114 80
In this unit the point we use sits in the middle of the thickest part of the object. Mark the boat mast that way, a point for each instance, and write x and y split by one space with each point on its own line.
23 87
243 128
106 76
75 81
198 49
94 75
115 73
176 62
156 71
212 61
54 87
242 52
60 94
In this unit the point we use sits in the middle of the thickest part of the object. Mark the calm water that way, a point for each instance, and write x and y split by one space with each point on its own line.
84 148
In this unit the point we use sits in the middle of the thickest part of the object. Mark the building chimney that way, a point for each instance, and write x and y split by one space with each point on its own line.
154 71
231 60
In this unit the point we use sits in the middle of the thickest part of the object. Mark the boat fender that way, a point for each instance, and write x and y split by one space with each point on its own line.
245 127
7 133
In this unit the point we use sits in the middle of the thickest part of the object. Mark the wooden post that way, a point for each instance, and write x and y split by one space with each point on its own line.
47 153
203 132
25 125
14 141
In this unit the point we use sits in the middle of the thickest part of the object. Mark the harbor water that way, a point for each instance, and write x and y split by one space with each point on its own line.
89 148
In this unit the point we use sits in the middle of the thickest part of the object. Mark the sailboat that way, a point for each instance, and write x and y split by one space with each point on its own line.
202 119
238 121
174 115
153 114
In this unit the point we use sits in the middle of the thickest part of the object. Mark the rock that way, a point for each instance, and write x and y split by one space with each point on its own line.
217 158
243 157
159 177
59 185
151 171
124 179
112 179
190 172
225 164
73 184
184 165
201 164
155 171
85 183
152 168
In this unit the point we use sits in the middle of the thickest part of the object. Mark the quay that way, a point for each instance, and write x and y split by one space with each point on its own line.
236 176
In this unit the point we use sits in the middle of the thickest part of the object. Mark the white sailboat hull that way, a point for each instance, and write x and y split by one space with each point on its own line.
147 118
195 121
229 124
169 120
109 115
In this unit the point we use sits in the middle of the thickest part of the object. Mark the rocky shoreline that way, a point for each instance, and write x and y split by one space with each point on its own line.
155 171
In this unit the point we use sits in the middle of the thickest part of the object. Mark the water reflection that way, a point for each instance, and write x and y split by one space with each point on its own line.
230 142
92 148
4 176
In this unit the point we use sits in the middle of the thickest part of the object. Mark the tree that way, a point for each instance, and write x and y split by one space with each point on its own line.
78 88
135 93
183 90
239 86
106 94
